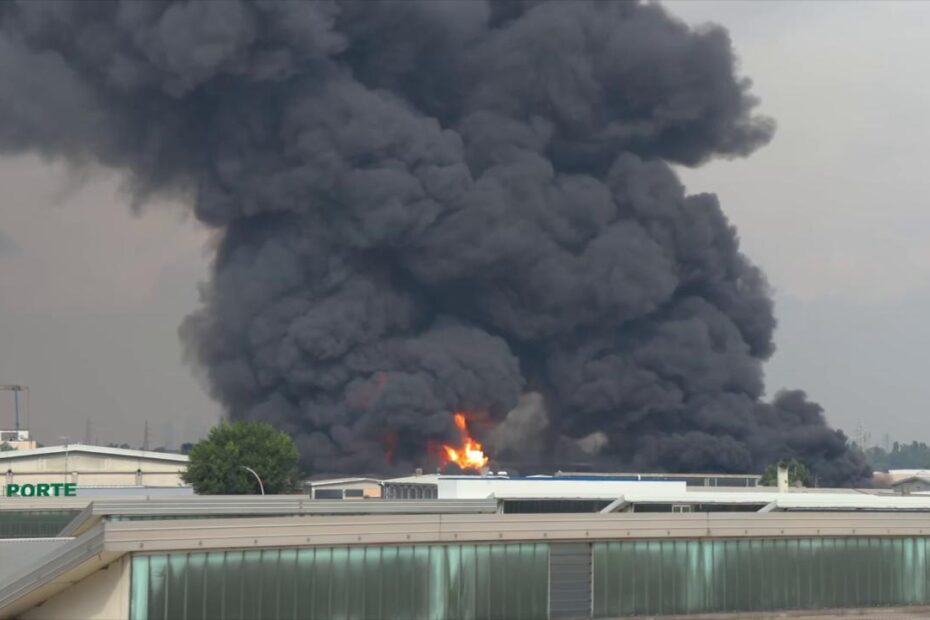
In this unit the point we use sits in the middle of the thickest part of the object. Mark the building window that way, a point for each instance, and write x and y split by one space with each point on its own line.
445 582
668 577
682 508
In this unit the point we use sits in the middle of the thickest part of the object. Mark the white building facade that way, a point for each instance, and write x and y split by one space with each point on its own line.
93 467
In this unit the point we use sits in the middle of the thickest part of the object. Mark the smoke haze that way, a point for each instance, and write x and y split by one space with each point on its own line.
426 207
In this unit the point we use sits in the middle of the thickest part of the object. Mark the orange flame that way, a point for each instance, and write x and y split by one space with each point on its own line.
469 454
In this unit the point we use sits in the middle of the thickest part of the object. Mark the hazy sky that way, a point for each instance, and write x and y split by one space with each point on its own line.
833 209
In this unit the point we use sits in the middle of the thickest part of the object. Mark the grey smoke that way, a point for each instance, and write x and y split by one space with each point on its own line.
523 438
435 206
522 434
593 443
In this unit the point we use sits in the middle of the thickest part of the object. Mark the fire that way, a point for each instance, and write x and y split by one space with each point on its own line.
467 455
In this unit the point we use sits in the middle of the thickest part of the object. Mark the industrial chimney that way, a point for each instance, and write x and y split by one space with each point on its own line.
782 477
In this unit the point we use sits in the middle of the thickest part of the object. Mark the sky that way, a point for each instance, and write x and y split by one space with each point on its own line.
92 292
834 209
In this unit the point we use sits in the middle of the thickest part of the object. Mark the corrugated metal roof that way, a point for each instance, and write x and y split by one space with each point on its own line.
327 482
562 475
258 505
18 553
107 541
43 577
642 475
809 500
79 447
43 503
394 529
474 487
421 479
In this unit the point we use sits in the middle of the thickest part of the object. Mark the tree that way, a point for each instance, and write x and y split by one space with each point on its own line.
5 447
218 463
798 475
915 455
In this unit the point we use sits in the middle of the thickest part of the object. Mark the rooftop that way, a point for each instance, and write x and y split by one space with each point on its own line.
923 477
200 506
326 482
73 448
98 543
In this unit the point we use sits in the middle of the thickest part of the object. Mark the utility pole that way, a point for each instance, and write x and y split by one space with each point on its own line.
65 439
145 436
860 436
88 425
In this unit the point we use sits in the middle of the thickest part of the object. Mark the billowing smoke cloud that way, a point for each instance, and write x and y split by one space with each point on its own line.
522 435
436 206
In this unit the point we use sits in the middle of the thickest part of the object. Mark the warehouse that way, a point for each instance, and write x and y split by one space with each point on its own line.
295 557
344 488
93 467
425 486
637 493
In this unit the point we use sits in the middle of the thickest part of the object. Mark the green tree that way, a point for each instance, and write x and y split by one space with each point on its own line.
5 447
218 463
915 455
798 474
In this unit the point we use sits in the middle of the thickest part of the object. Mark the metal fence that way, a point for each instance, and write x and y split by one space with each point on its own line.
33 523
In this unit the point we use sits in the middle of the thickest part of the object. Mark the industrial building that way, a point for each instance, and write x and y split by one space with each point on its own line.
634 493
426 486
344 488
245 557
97 470
914 484
17 440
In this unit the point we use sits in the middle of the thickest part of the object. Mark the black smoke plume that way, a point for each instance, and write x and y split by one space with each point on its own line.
433 206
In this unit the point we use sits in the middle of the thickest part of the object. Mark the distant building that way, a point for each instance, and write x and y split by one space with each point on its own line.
900 474
642 493
417 486
94 468
574 492
692 480
344 488
912 484
18 440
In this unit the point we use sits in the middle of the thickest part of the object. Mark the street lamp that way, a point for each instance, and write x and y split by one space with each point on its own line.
252 471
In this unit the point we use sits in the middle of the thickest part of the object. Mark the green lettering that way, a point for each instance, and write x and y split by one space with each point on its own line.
42 489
